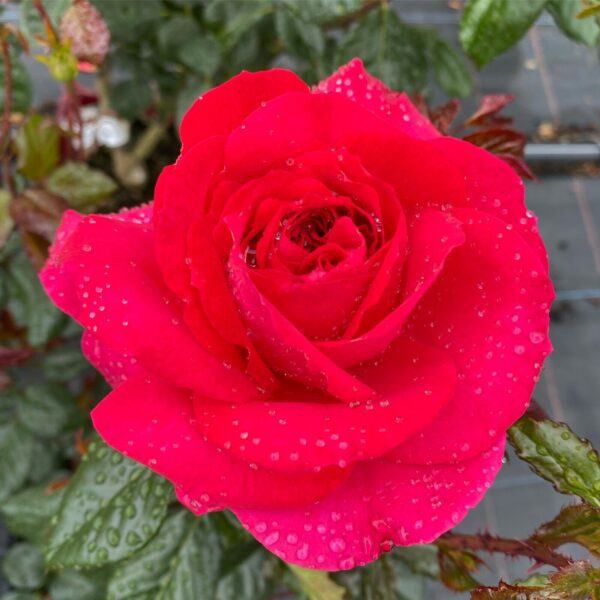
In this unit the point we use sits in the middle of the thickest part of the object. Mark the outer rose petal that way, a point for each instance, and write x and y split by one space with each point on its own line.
299 430
125 304
293 124
179 196
492 186
380 504
114 366
353 81
154 424
223 108
490 310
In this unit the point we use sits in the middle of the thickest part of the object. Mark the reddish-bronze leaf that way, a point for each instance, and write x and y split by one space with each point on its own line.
487 115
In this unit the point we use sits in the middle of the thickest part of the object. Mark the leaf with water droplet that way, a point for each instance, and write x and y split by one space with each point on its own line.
555 453
94 523
579 523
181 561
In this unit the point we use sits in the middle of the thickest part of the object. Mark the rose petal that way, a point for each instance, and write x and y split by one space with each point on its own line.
126 306
353 81
293 124
180 195
114 366
417 170
490 310
492 186
224 107
281 344
381 504
154 424
297 429
432 237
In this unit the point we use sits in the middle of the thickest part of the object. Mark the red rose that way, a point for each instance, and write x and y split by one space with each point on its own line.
326 322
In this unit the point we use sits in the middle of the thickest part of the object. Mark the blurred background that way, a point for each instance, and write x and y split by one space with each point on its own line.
163 54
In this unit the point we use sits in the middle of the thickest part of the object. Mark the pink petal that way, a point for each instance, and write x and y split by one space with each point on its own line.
432 237
381 504
298 429
154 424
489 309
114 366
418 171
180 195
292 124
283 347
127 307
353 81
492 186
224 107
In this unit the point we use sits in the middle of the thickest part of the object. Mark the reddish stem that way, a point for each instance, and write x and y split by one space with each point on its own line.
5 127
492 544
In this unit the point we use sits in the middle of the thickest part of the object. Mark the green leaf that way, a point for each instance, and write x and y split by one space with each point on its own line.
80 185
29 305
578 523
555 453
489 27
299 37
391 50
20 596
451 71
190 93
28 513
456 567
564 12
321 11
579 581
21 85
23 567
388 578
174 33
111 508
16 450
120 16
180 562
252 580
6 221
64 363
37 147
422 558
201 54
193 571
76 585
316 584
46 460
130 98
46 409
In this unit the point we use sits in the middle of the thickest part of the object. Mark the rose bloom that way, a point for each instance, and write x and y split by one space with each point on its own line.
325 322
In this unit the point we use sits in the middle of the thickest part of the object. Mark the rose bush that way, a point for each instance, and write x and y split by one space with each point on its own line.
325 322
